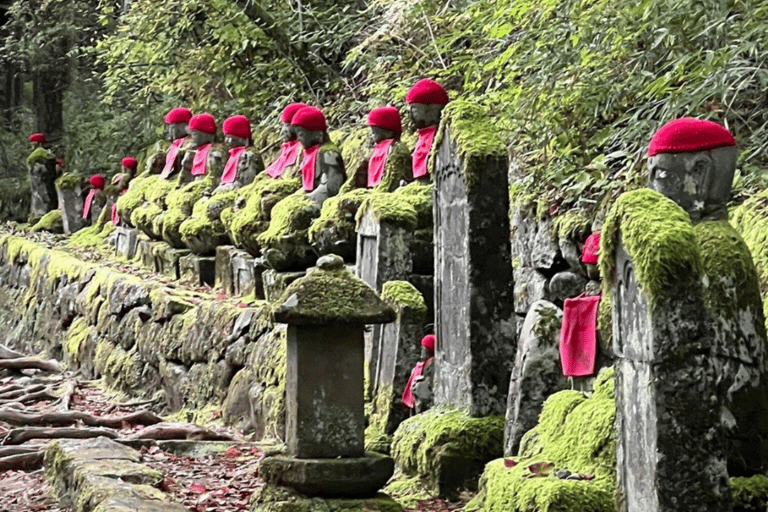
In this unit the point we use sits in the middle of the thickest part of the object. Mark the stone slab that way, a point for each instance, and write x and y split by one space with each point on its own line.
199 269
243 276
276 282
146 254
167 259
126 241
224 278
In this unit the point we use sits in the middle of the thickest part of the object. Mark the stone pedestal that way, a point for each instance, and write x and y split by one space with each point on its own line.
146 253
126 242
243 277
71 207
474 318
326 312
224 279
201 270
42 175
276 282
167 259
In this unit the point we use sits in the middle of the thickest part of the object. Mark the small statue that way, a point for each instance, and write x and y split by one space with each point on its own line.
95 200
285 244
37 140
244 161
41 165
202 134
120 183
291 148
418 390
426 100
176 122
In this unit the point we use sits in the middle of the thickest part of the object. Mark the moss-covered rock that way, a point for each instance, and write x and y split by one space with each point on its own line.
179 208
288 229
749 494
69 181
406 298
204 230
50 222
40 156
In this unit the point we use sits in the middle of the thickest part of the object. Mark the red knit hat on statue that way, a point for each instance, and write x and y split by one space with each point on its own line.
310 118
203 123
428 342
97 181
290 110
129 163
387 118
428 92
237 126
37 137
689 135
178 115
591 247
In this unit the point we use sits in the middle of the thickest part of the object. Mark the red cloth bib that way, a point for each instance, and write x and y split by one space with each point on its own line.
378 161
421 151
230 170
308 168
578 336
201 157
115 215
170 158
408 399
288 157
88 200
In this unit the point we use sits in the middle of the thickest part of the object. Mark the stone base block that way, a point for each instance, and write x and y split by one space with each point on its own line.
348 477
224 278
126 242
242 273
146 253
271 498
275 282
167 259
200 269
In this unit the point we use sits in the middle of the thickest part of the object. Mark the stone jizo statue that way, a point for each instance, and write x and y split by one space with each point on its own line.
95 200
418 391
202 134
426 100
322 170
176 122
289 154
244 163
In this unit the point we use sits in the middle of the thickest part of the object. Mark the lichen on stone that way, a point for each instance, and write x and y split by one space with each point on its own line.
338 214
293 215
50 222
39 156
749 493
389 208
69 181
403 296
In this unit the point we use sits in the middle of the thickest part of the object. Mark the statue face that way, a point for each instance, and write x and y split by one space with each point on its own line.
200 138
288 132
308 138
380 134
699 182
234 142
423 115
175 131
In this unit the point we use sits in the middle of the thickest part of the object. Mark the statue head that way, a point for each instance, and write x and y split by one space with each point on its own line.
589 255
385 123
426 100
129 165
176 123
288 132
202 129
692 162
37 140
310 126
428 346
97 181
237 132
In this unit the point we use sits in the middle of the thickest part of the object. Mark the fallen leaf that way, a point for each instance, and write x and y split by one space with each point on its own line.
541 467
510 463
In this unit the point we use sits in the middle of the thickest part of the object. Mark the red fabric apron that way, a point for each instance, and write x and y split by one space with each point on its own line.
115 215
308 168
288 157
201 157
378 161
230 170
88 200
408 399
170 158
578 336
420 154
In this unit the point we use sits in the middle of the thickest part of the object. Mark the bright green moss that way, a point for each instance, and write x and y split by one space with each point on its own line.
751 221
40 156
571 224
292 215
403 295
159 190
145 214
605 320
50 222
338 214
749 494
389 208
134 196
69 181
659 237
419 195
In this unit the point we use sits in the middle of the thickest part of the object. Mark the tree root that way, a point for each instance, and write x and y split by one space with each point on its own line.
169 431
69 417
22 435
22 462
30 363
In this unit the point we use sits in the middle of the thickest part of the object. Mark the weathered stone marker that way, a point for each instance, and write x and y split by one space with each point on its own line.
474 318
326 312
69 189
42 176
670 444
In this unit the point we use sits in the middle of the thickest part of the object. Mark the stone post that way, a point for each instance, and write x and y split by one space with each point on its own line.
474 317
326 312
670 443
42 177
69 189
126 241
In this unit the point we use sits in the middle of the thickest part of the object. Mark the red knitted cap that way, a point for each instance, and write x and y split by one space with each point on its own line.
428 92
310 118
178 115
290 110
590 249
428 342
129 162
689 135
237 126
203 123
60 162
37 137
387 118
97 181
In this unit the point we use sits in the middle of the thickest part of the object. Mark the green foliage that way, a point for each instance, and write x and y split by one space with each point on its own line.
749 494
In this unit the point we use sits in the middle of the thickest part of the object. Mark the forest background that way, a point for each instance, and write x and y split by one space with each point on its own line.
575 87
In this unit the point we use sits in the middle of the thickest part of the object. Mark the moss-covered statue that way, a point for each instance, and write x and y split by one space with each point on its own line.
285 245
692 162
417 394
41 165
251 212
204 230
201 171
383 170
163 159
119 185
96 199
426 100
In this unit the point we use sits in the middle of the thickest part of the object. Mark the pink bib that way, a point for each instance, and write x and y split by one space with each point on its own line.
408 399
421 151
170 158
230 170
88 200
115 215
287 158
308 168
201 157
578 335
378 161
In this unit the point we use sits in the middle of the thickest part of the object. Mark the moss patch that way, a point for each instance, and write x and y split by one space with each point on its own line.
749 494
69 181
40 156
293 215
658 236
389 208
404 297
50 222
751 220
338 214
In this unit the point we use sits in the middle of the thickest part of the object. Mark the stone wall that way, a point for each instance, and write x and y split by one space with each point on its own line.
144 337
